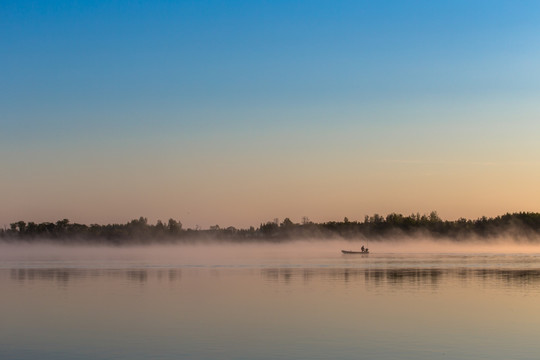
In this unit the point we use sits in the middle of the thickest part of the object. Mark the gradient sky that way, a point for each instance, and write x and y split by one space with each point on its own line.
238 112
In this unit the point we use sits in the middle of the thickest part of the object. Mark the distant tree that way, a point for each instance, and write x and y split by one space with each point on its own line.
287 223
269 228
62 223
434 217
174 227
19 226
160 229
139 231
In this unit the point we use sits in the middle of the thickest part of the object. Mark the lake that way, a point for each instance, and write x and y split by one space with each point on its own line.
283 301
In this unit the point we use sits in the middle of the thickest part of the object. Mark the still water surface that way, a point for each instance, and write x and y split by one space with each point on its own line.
266 302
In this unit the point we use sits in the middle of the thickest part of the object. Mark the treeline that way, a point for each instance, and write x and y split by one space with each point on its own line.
523 225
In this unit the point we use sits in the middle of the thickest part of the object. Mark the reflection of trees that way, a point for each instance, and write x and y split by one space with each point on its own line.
521 276
137 275
286 275
398 277
418 277
350 275
513 277
58 275
174 274
517 277
64 276
414 276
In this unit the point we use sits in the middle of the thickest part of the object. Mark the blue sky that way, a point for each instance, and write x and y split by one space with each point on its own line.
204 92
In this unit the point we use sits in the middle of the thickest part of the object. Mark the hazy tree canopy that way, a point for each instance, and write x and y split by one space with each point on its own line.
174 226
523 225
287 223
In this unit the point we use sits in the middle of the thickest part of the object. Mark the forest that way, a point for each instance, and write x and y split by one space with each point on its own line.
523 226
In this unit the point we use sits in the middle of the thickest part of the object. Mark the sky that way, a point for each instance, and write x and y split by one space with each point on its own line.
238 112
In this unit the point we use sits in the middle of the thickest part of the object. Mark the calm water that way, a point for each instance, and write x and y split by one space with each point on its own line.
266 302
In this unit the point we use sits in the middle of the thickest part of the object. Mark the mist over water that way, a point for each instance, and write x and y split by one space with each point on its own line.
300 253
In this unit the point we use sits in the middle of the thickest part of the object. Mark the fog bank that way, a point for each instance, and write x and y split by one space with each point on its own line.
245 254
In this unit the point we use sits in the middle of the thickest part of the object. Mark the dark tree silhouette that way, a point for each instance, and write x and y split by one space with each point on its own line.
525 225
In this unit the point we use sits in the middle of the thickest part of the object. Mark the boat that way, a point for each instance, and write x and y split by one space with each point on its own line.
355 252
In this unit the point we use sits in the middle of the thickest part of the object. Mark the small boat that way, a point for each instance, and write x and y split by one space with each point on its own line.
355 252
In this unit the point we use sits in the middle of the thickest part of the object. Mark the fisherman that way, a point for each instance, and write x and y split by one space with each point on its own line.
362 248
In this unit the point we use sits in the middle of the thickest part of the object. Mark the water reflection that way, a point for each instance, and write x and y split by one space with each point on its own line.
65 275
137 275
357 309
406 277
400 277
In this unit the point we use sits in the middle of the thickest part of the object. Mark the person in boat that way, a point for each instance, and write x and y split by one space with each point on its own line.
366 250
362 248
